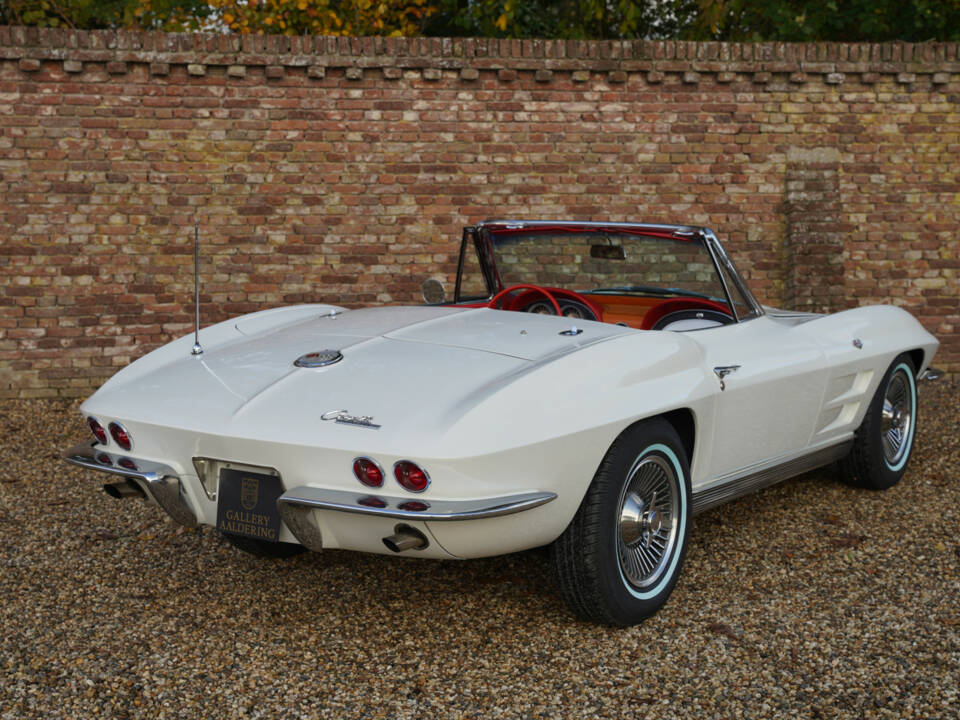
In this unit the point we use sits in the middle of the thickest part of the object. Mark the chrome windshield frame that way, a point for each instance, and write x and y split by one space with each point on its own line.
482 246
716 249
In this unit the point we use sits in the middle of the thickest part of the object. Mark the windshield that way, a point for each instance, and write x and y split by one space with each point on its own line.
614 263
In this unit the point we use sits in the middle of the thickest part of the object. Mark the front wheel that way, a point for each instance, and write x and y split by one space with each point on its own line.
882 445
621 555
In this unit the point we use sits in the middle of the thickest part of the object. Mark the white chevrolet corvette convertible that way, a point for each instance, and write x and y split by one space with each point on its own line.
589 386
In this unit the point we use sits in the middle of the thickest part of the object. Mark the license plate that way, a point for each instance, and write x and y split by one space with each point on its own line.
247 504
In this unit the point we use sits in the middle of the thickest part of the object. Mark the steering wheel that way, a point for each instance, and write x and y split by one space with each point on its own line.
670 311
506 291
704 318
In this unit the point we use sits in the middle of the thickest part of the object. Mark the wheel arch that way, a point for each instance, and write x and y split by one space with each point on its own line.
916 357
683 421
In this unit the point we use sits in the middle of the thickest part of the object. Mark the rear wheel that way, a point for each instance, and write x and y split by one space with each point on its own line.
884 441
621 555
263 548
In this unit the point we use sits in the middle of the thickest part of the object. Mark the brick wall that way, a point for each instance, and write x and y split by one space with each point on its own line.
342 170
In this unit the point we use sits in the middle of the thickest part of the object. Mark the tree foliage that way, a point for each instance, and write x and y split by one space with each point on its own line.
572 19
737 20
324 17
169 15
826 20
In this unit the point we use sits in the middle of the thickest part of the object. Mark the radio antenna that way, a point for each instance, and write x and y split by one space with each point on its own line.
197 350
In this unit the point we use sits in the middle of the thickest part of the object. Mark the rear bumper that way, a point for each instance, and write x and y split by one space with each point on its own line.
157 481
297 507
301 507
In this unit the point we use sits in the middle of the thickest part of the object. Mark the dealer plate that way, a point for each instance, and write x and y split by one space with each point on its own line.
247 504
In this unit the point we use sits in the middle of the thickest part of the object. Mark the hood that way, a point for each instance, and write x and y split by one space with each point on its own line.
402 366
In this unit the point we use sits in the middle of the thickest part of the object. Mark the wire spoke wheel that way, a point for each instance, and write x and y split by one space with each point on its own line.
896 417
648 521
619 558
882 445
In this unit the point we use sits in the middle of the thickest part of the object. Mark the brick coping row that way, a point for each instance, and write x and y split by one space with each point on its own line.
907 61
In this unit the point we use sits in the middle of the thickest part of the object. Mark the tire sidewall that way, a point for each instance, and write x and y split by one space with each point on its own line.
629 604
891 474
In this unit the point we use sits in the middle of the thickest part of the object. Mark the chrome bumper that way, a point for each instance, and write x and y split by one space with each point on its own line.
931 374
158 481
162 484
296 504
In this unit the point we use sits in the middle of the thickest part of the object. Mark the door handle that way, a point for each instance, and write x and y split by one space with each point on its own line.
721 371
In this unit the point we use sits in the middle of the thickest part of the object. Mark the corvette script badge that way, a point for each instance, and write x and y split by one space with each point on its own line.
345 418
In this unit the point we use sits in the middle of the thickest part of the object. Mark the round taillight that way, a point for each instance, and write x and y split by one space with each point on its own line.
368 472
127 464
97 429
411 476
120 435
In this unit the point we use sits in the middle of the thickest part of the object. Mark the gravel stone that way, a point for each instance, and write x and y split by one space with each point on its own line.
810 599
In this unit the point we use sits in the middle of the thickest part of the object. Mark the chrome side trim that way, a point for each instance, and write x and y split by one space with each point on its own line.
158 481
392 507
723 492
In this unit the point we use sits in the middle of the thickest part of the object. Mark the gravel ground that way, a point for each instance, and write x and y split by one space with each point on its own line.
810 599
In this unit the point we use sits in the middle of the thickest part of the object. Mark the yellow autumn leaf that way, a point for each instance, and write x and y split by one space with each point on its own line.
302 5
502 22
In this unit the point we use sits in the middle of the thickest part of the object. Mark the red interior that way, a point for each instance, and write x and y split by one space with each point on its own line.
671 306
633 311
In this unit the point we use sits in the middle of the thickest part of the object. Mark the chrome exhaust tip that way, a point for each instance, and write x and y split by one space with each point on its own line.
405 538
124 489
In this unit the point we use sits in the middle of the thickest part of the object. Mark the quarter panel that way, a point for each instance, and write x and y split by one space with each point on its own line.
858 346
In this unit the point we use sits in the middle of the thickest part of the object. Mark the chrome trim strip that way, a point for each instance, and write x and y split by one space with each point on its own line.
723 492
436 510
159 481
84 455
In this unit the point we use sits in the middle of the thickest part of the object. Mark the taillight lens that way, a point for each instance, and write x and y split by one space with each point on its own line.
411 476
373 502
120 435
127 464
368 472
413 506
97 429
